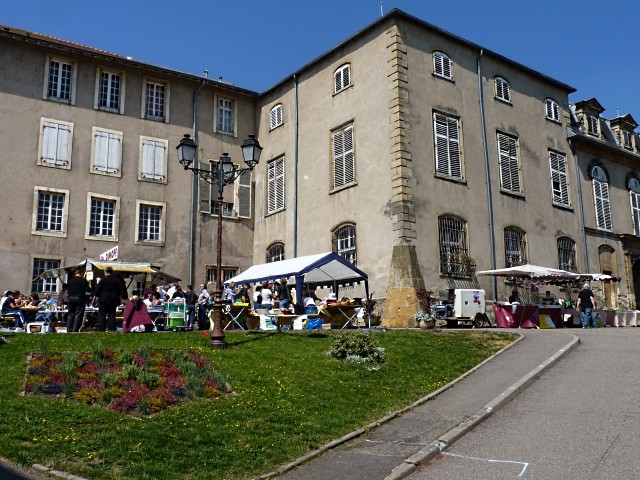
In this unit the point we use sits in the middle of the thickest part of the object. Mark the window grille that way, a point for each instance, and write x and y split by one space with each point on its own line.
344 242
567 254
275 253
514 247
454 252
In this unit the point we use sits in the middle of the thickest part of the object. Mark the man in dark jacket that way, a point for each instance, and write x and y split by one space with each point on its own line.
77 291
108 293
190 299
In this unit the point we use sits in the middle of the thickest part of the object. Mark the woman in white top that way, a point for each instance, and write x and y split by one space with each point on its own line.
267 297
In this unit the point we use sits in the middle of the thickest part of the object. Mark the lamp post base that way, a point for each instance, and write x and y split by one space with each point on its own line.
217 336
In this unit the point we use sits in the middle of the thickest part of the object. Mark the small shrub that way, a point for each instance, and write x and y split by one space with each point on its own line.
130 371
151 380
126 357
110 379
146 351
98 351
356 347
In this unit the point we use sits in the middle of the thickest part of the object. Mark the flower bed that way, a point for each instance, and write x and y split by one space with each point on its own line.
135 382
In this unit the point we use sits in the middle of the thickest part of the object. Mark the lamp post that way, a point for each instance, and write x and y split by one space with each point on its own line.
224 174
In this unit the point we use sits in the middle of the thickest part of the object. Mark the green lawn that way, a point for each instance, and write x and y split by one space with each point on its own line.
290 398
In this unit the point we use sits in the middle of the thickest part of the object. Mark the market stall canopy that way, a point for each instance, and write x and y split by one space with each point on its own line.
598 277
530 271
129 268
323 269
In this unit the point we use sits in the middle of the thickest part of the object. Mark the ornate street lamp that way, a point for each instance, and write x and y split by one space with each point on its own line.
224 174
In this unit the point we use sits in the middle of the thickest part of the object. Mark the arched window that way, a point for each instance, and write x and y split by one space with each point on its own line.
567 254
344 242
515 247
552 109
275 252
442 65
342 77
601 199
454 250
503 90
276 116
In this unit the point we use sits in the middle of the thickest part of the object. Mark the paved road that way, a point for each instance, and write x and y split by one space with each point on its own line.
580 420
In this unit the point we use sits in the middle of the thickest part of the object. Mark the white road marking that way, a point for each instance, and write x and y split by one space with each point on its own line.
491 460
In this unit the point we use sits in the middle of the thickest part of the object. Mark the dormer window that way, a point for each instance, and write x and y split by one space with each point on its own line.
593 125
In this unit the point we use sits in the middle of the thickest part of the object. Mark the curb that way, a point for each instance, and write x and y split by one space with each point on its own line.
412 463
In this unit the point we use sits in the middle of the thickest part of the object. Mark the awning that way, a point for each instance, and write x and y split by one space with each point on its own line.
530 271
130 268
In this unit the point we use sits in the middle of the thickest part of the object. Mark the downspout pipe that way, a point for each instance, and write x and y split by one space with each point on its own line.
194 188
295 168
581 205
487 169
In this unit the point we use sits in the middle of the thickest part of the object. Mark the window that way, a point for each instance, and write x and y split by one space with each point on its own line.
559 179
276 116
102 217
275 185
593 125
627 139
567 254
150 222
601 198
153 159
344 242
42 285
442 65
446 131
515 252
634 192
225 122
156 101
227 273
275 252
454 251
503 90
509 164
50 212
342 78
109 91
343 157
237 196
106 152
59 80
56 140
552 109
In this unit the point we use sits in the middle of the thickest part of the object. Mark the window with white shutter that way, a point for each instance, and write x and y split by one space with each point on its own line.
634 193
442 65
153 159
275 185
106 150
343 158
276 116
55 143
503 90
342 78
552 109
509 164
559 179
601 199
446 131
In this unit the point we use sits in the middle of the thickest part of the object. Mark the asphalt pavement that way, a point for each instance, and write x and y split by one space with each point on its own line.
407 439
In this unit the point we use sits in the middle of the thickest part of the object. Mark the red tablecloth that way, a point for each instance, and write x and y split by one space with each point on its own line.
525 316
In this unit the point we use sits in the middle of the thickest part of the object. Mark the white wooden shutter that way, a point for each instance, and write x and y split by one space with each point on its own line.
205 189
276 116
244 195
602 204
441 64
275 201
509 167
343 158
559 181
635 212
107 152
56 143
153 159
342 78
447 140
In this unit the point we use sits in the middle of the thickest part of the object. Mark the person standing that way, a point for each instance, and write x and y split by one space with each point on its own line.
585 305
283 294
190 300
77 290
108 293
203 298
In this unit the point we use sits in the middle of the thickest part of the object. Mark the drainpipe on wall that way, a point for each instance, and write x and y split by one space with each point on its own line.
194 189
295 170
581 205
492 242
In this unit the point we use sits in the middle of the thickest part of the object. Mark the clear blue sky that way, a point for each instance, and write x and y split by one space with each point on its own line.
590 44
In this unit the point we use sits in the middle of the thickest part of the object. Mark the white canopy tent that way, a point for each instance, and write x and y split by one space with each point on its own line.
321 270
531 271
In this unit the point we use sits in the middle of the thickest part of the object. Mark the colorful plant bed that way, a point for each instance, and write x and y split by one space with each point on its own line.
138 382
